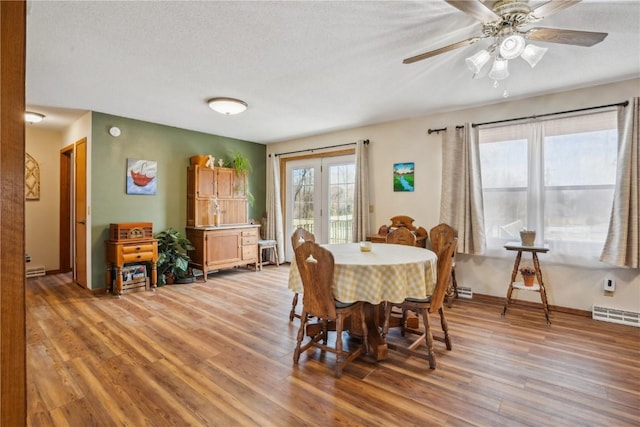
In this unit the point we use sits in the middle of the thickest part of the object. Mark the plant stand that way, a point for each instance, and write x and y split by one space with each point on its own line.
537 287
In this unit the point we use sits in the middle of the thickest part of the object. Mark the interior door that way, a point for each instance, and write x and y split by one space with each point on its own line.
80 202
320 193
66 194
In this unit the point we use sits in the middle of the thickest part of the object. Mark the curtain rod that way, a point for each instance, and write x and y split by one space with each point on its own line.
311 150
624 104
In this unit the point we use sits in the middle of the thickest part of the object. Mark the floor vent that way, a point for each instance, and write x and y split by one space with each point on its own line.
464 292
35 271
616 316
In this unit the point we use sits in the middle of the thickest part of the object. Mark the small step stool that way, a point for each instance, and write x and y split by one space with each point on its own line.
267 244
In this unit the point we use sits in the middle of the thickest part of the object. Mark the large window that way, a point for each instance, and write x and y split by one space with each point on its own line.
556 177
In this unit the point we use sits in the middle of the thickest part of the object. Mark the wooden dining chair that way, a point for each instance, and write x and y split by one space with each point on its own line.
424 307
316 267
401 236
440 235
299 236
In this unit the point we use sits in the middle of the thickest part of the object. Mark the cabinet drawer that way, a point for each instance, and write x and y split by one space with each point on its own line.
249 240
250 232
250 252
139 256
131 249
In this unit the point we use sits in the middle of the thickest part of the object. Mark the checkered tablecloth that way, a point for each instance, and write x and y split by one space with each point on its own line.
387 273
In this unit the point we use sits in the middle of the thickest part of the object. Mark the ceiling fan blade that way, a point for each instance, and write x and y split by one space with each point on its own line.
552 7
476 9
441 50
574 37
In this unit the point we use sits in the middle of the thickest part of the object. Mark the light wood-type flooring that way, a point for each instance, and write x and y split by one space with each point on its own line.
220 354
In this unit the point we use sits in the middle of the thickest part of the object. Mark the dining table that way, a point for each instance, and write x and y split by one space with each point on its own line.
375 273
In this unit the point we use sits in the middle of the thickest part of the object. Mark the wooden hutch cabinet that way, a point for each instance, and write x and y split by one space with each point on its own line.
217 219
223 247
207 187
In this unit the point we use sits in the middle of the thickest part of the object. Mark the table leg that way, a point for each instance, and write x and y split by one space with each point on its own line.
377 344
118 286
154 276
543 292
514 274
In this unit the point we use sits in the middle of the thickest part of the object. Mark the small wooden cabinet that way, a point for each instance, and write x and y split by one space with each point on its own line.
216 196
119 253
223 247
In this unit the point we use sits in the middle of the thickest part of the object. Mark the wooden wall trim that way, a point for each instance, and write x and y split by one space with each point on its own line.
13 395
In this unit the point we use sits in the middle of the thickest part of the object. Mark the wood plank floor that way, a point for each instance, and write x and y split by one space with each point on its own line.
220 354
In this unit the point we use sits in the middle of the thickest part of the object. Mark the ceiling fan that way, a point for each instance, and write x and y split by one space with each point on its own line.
505 22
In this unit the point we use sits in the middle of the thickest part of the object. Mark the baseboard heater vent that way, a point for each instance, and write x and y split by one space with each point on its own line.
35 271
464 292
616 316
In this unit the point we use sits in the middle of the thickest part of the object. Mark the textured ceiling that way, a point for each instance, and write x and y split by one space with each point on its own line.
304 67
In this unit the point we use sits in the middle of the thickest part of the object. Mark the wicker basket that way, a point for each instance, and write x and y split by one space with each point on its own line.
200 160
527 237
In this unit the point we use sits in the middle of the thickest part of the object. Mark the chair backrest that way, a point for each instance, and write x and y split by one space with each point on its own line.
445 261
402 236
440 235
301 235
316 265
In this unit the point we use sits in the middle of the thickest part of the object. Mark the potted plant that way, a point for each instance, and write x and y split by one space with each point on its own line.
243 166
528 273
173 259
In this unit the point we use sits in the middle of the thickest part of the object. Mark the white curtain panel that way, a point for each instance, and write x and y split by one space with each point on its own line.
622 246
461 203
361 196
274 225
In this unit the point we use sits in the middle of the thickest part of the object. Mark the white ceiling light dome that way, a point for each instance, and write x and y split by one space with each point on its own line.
512 46
227 106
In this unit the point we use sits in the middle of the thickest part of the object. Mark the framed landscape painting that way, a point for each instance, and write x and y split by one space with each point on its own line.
141 176
403 176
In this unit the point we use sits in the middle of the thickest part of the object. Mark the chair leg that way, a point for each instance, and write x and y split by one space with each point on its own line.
294 303
340 357
452 290
431 356
303 324
365 330
445 329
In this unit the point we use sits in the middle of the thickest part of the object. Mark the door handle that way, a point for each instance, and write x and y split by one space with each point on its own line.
82 222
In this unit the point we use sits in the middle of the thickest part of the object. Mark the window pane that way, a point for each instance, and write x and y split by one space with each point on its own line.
577 215
504 164
341 192
581 158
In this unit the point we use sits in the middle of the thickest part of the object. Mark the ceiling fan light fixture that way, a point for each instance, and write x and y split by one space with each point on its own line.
499 70
533 54
31 117
477 61
227 106
511 47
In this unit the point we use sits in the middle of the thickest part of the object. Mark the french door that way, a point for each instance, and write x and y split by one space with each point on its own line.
320 192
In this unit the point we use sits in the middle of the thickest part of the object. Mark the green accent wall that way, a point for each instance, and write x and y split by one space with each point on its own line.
169 146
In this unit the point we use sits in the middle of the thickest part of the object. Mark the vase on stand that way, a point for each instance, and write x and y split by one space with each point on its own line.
528 279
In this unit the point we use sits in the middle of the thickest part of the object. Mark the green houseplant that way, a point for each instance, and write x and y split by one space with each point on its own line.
173 259
243 166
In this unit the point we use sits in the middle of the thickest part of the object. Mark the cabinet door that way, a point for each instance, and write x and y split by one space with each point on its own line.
225 182
224 247
239 185
205 178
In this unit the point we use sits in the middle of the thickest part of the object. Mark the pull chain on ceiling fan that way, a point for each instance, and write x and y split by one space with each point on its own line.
504 22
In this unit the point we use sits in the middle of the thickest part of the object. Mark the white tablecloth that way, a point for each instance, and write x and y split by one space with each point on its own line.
387 273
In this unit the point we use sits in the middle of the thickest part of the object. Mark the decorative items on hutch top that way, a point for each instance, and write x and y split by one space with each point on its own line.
130 243
400 221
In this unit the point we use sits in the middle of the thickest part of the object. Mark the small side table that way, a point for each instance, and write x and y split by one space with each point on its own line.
537 287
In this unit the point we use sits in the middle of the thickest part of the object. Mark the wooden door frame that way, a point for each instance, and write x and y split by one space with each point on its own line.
66 185
13 367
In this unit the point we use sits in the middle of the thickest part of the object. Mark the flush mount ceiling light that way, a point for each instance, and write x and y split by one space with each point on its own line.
31 117
227 106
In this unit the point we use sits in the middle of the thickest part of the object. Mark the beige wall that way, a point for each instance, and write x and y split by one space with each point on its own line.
42 216
407 140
